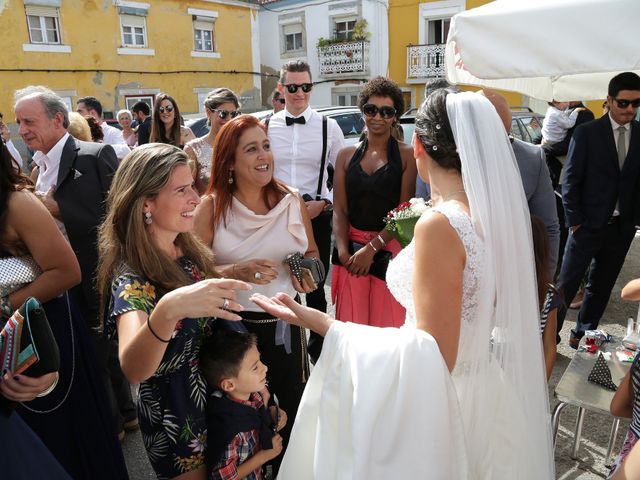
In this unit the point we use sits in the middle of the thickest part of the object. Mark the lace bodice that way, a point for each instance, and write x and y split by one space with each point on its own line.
400 271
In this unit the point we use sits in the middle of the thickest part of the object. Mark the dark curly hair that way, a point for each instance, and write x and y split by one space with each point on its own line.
434 130
382 87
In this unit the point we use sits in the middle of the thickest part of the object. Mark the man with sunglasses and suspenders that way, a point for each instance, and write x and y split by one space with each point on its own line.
304 144
600 197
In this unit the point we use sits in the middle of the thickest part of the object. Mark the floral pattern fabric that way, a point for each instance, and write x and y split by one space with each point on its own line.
171 404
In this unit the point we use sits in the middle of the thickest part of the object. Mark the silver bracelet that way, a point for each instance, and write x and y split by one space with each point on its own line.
50 389
382 242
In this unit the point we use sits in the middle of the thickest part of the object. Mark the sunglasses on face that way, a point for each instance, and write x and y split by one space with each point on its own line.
281 100
386 112
167 109
293 87
625 103
225 113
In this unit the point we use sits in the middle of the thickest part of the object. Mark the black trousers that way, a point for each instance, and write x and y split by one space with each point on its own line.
605 249
316 299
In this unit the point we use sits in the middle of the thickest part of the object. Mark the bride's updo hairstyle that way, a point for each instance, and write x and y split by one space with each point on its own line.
434 130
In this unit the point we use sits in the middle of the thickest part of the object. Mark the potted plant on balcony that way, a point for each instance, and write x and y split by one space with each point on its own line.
360 30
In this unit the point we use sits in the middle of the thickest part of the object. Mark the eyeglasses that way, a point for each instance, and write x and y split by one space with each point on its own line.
622 103
168 108
386 112
225 113
293 87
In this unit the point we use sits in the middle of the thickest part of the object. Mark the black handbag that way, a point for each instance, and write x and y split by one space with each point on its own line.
380 260
309 268
27 345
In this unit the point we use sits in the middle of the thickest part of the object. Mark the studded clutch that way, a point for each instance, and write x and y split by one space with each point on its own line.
15 272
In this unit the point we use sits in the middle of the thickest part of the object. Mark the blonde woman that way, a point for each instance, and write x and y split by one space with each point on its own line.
130 136
158 303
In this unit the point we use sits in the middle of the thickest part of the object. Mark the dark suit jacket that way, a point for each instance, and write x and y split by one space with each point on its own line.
593 181
84 179
144 130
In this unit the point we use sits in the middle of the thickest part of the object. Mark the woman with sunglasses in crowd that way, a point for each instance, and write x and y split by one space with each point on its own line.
371 178
221 106
165 123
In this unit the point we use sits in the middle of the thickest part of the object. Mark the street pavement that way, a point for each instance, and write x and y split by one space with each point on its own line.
596 427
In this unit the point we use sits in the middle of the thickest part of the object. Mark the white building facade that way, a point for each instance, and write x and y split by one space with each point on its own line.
345 43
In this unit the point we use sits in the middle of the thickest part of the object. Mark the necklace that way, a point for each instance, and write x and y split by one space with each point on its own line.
452 194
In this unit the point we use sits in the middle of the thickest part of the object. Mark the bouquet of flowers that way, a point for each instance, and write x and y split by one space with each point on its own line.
401 221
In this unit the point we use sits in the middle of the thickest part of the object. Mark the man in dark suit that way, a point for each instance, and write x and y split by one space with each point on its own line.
600 199
73 181
142 112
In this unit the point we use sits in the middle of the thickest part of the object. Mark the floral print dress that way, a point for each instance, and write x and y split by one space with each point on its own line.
171 404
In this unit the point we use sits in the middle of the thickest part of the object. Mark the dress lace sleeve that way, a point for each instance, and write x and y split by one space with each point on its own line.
129 292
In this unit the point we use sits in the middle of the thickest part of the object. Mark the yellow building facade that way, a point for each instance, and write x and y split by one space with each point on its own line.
125 51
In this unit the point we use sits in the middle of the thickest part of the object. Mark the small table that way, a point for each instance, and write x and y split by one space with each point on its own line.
575 389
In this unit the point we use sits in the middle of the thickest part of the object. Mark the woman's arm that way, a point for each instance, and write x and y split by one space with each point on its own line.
549 342
143 338
437 282
34 226
340 213
622 401
186 135
631 290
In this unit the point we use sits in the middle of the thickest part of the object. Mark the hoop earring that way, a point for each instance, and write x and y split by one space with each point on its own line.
230 177
147 218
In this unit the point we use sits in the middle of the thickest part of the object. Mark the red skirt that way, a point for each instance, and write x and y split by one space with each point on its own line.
366 299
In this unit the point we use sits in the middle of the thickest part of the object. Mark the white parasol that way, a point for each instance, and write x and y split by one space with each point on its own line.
547 49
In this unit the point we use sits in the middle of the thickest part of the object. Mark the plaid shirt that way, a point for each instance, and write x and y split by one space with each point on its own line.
243 446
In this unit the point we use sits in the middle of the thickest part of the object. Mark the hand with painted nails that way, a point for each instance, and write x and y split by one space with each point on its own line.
21 388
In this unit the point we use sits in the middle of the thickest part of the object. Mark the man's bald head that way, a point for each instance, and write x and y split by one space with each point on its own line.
501 106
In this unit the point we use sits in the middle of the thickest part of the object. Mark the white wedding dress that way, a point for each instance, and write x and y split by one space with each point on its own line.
380 402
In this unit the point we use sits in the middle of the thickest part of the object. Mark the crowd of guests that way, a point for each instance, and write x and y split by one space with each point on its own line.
151 242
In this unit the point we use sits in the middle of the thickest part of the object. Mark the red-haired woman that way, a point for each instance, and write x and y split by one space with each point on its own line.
252 222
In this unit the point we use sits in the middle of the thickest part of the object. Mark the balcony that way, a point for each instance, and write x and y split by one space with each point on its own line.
425 61
344 58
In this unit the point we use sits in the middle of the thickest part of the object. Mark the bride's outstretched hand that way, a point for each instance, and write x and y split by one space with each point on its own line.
286 308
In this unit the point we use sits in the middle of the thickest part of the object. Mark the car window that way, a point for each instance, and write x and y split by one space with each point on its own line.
407 131
533 127
515 129
351 124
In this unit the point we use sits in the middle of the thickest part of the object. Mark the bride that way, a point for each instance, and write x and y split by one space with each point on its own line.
459 391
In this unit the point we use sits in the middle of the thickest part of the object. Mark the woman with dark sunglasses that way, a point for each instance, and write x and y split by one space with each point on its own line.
221 106
371 178
165 123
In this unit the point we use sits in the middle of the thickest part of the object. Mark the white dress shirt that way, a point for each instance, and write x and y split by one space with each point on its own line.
49 165
114 137
556 124
627 136
297 150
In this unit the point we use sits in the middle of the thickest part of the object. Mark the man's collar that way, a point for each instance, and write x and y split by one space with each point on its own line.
306 114
54 153
615 125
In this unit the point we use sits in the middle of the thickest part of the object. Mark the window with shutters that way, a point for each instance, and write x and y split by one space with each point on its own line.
134 31
43 24
203 39
292 35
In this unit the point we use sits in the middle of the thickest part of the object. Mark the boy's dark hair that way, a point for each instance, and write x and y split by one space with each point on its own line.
294 66
141 107
92 103
221 355
623 81
382 87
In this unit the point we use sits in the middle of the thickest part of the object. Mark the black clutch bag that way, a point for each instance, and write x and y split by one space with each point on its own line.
27 345
311 269
380 260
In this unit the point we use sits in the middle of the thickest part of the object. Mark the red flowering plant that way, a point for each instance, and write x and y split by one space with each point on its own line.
401 221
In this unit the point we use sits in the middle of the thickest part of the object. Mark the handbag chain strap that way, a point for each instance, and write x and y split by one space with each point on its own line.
73 367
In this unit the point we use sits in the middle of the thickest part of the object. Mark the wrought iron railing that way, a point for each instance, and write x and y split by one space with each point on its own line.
344 57
425 61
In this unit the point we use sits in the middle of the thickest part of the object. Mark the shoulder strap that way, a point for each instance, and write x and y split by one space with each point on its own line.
266 122
324 157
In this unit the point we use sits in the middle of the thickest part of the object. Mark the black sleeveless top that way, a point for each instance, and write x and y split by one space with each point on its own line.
371 197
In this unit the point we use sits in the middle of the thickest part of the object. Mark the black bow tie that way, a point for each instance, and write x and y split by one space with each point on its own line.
292 120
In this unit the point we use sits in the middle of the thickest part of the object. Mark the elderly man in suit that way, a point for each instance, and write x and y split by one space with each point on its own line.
535 176
600 197
73 180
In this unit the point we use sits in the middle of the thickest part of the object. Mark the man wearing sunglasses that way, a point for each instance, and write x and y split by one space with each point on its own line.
297 139
600 198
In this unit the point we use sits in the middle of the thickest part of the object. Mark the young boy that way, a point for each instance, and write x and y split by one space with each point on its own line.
241 430
557 122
